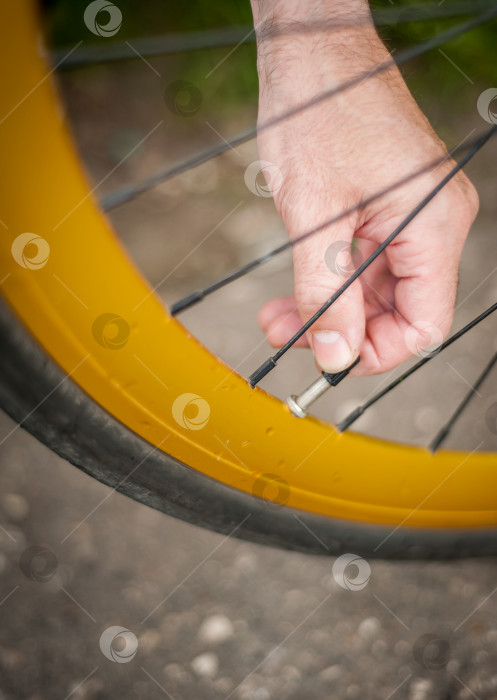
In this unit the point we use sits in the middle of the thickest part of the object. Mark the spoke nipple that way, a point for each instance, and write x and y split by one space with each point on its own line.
335 379
185 303
438 440
351 418
261 372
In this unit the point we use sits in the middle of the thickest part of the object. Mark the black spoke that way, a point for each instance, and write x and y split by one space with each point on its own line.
198 295
152 46
126 194
444 432
224 37
270 363
358 412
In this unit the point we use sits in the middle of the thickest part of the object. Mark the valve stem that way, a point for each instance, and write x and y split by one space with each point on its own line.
298 405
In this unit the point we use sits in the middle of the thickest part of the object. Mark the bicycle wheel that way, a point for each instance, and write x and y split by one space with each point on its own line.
107 379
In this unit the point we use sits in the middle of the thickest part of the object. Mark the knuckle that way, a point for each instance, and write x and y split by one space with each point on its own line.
466 200
310 298
458 203
473 199
312 292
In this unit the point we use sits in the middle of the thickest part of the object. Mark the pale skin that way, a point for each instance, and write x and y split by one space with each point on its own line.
337 154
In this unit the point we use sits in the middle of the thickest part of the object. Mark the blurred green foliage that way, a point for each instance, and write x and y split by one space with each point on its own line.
434 79
230 87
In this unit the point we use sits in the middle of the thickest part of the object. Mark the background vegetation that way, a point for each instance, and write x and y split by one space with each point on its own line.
431 76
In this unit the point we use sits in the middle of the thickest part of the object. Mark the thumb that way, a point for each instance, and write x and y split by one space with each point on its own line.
322 263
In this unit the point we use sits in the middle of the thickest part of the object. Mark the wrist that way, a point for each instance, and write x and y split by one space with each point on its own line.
294 33
307 11
311 61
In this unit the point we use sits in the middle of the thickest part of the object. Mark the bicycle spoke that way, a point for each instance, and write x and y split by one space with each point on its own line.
408 13
166 44
444 432
198 295
160 45
271 362
360 410
127 194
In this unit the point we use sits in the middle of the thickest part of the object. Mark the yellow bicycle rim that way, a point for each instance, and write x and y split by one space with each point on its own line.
70 283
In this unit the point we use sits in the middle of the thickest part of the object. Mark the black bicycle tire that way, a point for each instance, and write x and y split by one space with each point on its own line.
72 425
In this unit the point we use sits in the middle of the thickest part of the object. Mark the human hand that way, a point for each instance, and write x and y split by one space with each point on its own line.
335 155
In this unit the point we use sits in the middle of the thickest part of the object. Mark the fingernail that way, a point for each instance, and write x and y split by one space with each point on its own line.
331 350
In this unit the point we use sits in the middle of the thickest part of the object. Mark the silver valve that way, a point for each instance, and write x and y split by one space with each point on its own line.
298 405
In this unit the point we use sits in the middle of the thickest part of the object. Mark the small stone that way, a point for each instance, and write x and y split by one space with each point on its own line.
216 629
205 665
175 672
306 660
420 688
369 627
379 647
480 658
149 640
402 648
16 506
453 665
260 693
291 673
223 685
332 673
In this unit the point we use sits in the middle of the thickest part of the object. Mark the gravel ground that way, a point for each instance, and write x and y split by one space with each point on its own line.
215 617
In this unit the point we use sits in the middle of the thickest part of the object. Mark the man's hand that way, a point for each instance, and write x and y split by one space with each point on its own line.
333 156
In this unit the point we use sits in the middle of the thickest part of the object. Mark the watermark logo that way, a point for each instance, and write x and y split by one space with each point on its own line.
431 652
487 105
38 563
342 258
103 18
118 644
191 411
423 339
263 178
272 489
183 98
351 572
111 331
30 251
